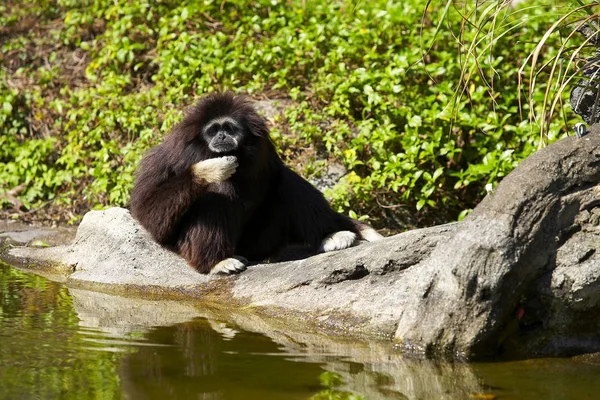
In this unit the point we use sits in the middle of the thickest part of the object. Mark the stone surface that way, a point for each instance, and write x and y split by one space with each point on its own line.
270 109
330 177
22 237
583 100
584 95
347 292
473 297
111 248
520 275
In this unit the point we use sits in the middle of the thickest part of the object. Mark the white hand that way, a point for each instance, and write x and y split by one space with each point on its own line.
215 169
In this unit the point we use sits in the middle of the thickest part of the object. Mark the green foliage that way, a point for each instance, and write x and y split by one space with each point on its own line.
84 98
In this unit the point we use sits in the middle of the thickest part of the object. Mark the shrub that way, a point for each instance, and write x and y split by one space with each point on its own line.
97 82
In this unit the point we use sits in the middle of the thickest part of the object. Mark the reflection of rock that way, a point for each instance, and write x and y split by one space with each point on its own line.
372 369
227 333
121 315
591 358
521 273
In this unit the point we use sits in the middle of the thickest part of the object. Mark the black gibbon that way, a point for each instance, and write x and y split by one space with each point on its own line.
216 192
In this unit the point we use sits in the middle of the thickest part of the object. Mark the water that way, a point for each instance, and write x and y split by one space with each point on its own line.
59 343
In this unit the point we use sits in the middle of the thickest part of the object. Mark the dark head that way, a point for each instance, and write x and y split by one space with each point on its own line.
222 124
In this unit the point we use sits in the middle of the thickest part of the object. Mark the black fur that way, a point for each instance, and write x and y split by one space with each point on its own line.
262 209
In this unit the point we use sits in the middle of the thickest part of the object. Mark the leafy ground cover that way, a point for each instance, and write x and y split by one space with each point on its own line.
86 86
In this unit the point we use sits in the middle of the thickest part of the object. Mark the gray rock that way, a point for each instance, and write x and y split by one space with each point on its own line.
330 178
468 297
271 108
22 237
520 275
110 248
584 97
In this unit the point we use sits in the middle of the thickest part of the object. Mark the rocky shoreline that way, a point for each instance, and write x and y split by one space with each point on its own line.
519 276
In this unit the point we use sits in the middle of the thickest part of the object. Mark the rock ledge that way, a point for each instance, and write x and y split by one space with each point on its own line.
520 275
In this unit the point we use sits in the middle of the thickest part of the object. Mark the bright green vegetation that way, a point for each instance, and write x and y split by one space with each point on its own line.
88 85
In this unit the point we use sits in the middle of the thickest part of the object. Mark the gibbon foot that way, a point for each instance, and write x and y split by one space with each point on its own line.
337 241
369 234
229 266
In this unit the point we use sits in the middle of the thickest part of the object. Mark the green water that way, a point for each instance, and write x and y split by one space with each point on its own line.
57 343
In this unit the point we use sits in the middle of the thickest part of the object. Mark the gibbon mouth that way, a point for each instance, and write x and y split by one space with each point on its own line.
223 147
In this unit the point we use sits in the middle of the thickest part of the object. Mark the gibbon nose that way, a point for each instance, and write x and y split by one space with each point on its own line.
221 136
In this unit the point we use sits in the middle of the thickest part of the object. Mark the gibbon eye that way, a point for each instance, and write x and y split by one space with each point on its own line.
227 126
212 130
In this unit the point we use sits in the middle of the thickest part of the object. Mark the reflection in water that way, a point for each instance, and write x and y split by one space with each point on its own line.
43 353
74 344
202 362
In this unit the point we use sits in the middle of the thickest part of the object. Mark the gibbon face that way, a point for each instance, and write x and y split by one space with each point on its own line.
223 135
